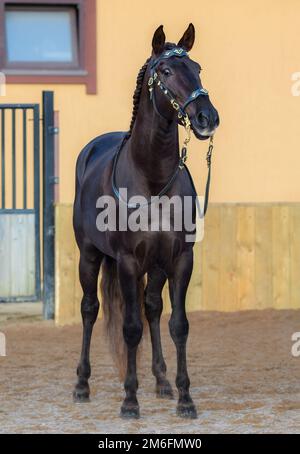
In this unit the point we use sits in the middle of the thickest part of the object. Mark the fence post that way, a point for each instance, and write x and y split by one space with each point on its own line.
48 204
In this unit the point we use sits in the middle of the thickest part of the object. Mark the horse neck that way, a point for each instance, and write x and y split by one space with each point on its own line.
153 148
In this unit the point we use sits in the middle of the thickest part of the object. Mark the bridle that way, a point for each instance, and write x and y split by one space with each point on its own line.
183 119
154 79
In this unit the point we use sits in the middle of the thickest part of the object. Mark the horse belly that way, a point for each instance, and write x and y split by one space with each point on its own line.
152 249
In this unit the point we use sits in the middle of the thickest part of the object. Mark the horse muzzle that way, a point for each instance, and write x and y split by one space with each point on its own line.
205 123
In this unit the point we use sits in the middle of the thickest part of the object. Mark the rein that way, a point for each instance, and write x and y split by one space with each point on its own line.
183 119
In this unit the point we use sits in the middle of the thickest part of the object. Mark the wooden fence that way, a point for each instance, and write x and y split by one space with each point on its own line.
249 259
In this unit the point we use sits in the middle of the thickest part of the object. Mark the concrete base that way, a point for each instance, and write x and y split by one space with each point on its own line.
19 312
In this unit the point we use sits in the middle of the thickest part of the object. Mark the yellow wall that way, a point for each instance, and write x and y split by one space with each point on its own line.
248 50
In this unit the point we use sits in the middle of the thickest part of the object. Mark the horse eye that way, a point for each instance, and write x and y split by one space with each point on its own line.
167 72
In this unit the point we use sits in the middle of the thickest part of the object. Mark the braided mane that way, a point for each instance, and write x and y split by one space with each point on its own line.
139 86
137 93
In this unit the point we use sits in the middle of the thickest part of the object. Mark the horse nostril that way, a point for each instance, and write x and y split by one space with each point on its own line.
203 120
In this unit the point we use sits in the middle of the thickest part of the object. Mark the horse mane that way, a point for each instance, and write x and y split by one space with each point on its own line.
139 86
137 93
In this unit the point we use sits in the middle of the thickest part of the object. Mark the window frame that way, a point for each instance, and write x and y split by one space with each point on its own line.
83 72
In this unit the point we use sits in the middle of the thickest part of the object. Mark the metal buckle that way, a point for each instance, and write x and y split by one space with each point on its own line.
175 105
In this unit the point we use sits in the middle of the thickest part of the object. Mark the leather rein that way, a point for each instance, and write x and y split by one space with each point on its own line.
183 119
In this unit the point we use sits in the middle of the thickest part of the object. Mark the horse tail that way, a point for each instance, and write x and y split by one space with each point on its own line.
114 311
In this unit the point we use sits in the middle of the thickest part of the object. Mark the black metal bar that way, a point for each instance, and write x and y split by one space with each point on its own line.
3 157
36 197
48 205
24 159
17 106
17 211
13 119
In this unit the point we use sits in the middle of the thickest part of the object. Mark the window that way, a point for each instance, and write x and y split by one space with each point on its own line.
49 41
40 35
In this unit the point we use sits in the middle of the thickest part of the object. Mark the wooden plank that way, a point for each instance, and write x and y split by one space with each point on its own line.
246 257
30 254
263 257
5 256
228 258
194 300
249 259
17 255
77 288
294 216
281 256
167 309
64 266
211 259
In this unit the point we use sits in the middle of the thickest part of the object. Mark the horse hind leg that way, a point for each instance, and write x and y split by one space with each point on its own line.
153 310
89 265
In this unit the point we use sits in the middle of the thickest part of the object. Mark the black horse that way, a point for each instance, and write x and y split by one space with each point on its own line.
147 162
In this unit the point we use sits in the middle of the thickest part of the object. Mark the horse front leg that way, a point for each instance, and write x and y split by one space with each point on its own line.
153 308
179 329
132 330
89 265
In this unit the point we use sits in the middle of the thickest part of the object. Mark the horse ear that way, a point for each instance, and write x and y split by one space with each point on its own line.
188 38
158 40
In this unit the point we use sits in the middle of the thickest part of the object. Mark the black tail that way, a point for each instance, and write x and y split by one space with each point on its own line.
113 310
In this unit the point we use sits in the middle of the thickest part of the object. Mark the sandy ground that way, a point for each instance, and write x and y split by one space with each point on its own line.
243 378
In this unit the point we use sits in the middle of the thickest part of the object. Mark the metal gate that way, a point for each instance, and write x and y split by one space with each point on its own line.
21 202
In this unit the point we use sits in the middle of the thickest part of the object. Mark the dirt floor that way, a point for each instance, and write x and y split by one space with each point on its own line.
243 378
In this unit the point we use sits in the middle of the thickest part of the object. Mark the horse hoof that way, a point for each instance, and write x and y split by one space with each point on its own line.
186 411
81 395
130 411
164 391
